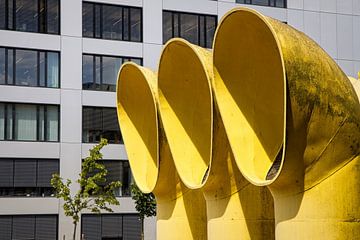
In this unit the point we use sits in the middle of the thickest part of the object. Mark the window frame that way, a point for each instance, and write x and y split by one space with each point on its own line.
45 15
177 14
38 52
33 215
249 2
36 188
108 214
13 119
93 108
123 9
123 60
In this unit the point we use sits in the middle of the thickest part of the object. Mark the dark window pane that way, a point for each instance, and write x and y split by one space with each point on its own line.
167 26
136 60
46 227
112 22
46 168
111 130
6 173
53 13
9 122
202 33
97 20
26 67
98 72
260 2
135 22
110 70
111 226
23 227
10 66
5 227
176 17
25 122
88 72
2 14
25 173
2 66
126 24
2 121
88 20
27 15
280 3
42 69
189 27
53 69
210 30
52 123
11 6
42 16
132 227
91 227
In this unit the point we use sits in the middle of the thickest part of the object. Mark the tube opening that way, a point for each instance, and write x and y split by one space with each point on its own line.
137 116
250 91
186 110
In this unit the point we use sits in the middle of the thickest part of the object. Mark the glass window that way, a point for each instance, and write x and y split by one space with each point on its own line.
189 27
27 177
196 28
135 21
88 19
2 66
25 122
100 72
53 69
40 16
36 227
112 22
53 16
111 226
52 123
2 121
100 122
26 67
272 3
30 122
27 15
33 68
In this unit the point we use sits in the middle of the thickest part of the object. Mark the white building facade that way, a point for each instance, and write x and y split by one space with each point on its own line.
58 60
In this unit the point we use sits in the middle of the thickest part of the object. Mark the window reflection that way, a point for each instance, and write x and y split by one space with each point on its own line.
27 15
272 3
100 72
196 28
112 22
33 68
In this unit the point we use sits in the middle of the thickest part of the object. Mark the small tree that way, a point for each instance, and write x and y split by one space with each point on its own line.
94 194
145 204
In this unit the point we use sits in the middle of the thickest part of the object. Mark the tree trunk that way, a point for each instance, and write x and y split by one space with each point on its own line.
74 233
142 228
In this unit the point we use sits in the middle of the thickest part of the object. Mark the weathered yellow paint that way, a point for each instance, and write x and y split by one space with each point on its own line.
293 122
181 212
236 209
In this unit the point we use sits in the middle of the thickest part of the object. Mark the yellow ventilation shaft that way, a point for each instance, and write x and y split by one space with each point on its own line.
293 122
181 212
236 209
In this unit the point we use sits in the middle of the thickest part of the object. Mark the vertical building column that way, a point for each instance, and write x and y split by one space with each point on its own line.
152 32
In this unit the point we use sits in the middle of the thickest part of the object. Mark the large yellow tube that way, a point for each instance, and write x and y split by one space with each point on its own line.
181 212
236 209
293 122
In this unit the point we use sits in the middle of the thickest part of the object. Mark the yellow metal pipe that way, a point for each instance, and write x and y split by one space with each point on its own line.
181 212
293 122
236 209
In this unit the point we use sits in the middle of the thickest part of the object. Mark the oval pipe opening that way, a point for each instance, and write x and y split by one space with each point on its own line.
186 107
251 94
137 114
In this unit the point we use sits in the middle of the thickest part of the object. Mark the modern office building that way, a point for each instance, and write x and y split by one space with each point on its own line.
58 65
